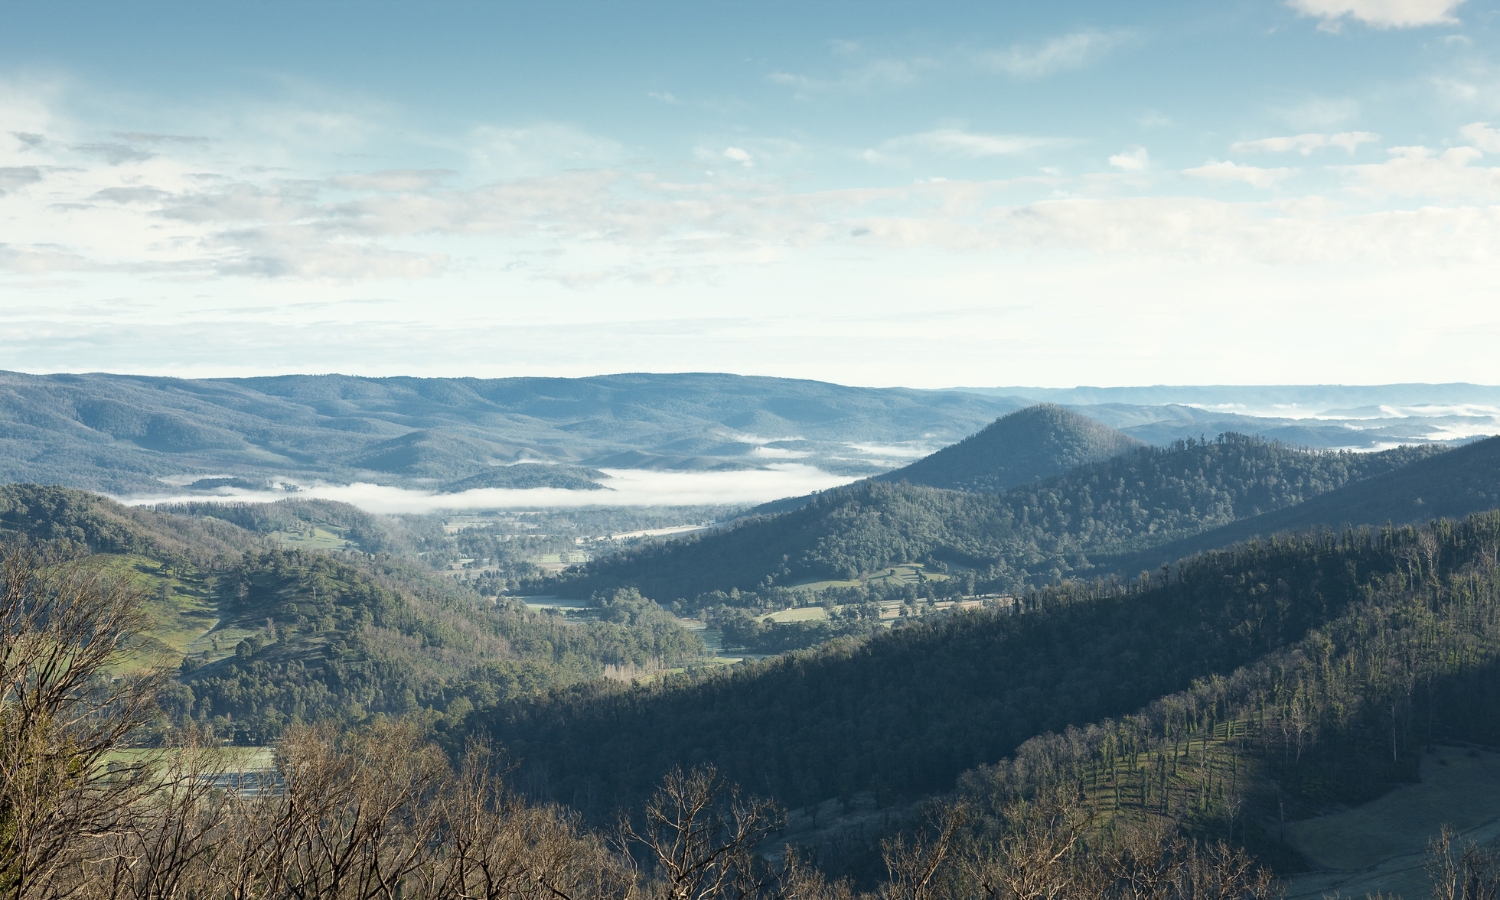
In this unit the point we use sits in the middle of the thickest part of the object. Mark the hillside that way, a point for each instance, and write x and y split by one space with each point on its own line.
904 713
1449 485
124 434
264 634
1027 445
1030 535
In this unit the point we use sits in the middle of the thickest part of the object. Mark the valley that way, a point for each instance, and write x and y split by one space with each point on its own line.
1047 605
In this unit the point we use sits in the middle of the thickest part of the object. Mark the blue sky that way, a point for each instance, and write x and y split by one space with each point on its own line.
919 194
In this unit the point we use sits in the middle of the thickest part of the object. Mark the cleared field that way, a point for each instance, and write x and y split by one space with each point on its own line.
320 537
797 614
178 608
554 603
1379 846
910 573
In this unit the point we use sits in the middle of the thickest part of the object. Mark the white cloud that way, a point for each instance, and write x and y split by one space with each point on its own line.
958 142
1131 159
1229 171
735 154
1380 13
1305 144
1483 135
1421 172
1068 51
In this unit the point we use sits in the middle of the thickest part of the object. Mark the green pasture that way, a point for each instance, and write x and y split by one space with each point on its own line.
797 614
907 573
313 537
1379 846
179 610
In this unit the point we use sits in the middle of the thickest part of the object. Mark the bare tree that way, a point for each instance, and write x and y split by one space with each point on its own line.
702 835
63 625
1033 856
491 844
1462 870
914 862
353 817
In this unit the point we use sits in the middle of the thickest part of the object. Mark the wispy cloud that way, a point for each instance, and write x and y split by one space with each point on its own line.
868 75
1379 13
1423 172
1229 171
1059 54
958 142
1305 144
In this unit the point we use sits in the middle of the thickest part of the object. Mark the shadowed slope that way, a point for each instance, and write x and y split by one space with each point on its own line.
1450 485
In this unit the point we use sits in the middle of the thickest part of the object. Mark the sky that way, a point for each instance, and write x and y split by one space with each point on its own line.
920 194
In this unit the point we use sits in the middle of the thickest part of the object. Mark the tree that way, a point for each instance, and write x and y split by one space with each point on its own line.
64 622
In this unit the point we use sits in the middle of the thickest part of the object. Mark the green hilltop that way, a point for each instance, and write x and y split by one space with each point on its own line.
1028 445
1031 535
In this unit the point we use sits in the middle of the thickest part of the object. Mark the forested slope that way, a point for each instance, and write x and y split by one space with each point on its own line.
1030 535
903 713
264 636
1027 445
343 637
1450 485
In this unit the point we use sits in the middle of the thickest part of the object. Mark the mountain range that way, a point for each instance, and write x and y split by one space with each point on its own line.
146 436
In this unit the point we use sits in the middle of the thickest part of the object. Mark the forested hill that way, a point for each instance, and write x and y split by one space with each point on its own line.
1030 535
263 635
1027 445
103 526
903 713
1449 485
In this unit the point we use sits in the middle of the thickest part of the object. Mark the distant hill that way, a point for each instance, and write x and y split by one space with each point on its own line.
1026 445
1033 534
1449 485
125 434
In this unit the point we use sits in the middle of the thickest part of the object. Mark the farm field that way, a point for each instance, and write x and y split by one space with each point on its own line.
1379 846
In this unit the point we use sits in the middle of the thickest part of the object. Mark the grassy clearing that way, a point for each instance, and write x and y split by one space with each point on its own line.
909 573
179 610
313 537
1379 846
797 614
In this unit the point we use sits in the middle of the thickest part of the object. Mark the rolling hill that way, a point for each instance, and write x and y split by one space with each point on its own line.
1027 445
264 634
1034 534
1184 677
1449 485
125 434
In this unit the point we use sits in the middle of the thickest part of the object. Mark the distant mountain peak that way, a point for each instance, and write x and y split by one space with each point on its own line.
1026 445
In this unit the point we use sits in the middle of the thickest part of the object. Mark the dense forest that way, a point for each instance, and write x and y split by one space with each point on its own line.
905 713
345 638
1029 536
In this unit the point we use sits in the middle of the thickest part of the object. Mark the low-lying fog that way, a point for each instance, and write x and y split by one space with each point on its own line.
625 487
